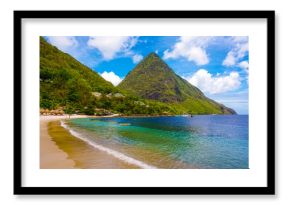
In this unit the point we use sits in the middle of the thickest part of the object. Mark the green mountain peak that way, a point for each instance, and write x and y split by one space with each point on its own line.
153 79
153 54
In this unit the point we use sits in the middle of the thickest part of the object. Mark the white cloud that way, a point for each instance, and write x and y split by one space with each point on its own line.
63 42
214 84
111 77
137 58
239 50
230 60
240 39
244 65
191 48
109 46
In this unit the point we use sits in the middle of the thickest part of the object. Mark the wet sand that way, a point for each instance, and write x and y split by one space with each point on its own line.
60 150
51 157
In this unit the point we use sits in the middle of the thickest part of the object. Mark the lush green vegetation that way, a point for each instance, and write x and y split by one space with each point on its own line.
152 88
132 105
154 79
65 82
68 85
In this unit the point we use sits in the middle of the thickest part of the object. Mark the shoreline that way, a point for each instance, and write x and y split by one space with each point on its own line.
51 156
61 148
73 152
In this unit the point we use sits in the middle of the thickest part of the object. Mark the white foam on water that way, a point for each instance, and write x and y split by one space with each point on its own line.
109 151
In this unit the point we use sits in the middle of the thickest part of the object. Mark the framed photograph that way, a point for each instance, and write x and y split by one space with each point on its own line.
144 102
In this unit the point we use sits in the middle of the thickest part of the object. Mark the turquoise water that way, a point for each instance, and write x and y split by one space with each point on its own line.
204 141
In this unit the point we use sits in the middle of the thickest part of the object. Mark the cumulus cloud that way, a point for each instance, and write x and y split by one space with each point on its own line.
244 65
111 77
109 46
191 48
137 58
230 60
63 42
239 50
214 84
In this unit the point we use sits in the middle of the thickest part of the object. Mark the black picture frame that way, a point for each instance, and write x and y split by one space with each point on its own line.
19 189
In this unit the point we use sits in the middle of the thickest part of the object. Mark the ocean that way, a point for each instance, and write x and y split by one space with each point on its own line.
171 142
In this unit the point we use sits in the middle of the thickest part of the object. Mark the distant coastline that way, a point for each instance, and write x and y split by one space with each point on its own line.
72 116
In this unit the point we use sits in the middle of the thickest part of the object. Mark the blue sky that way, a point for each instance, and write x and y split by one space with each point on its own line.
218 65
